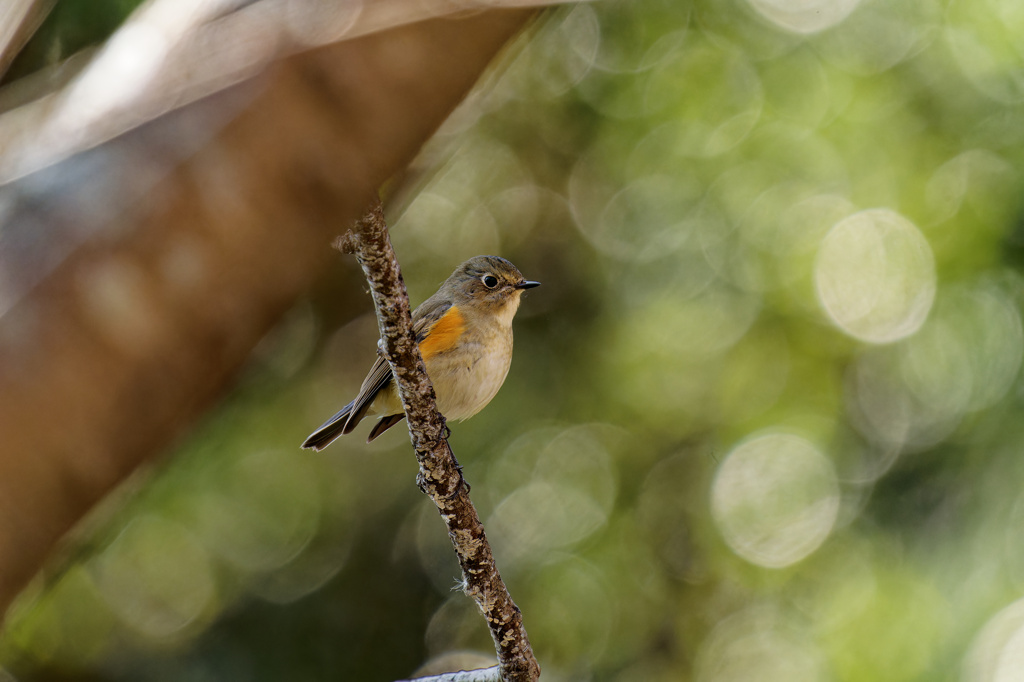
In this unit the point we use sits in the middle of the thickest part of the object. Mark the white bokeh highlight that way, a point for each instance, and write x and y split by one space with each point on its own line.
804 16
875 276
997 653
760 644
913 394
775 499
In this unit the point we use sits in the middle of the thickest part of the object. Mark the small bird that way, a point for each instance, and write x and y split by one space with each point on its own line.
464 333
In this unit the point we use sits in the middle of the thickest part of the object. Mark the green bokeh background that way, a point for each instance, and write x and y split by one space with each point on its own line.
700 467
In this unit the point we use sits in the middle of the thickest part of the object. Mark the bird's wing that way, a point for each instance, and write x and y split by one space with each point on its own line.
425 318
375 382
349 416
437 325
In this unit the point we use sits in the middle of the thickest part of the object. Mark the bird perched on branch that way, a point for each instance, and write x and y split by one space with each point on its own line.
464 333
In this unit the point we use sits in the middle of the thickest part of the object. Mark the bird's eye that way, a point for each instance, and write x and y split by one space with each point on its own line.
490 281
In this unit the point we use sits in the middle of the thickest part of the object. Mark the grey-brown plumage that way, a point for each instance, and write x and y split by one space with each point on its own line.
464 332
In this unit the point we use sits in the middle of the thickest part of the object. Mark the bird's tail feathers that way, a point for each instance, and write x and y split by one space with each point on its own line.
339 424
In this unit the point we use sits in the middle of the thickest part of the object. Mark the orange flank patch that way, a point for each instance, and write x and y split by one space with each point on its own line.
444 334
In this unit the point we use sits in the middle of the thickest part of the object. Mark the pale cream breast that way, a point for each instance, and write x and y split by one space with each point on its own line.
466 380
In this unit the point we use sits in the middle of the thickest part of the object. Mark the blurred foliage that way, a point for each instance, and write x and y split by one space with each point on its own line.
765 415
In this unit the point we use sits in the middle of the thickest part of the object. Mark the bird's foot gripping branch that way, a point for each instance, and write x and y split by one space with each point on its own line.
439 476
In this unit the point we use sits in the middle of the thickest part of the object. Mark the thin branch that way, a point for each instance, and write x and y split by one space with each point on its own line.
481 675
439 476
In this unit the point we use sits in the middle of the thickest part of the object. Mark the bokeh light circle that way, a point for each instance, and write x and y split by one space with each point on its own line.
551 488
899 409
262 513
650 218
984 41
731 102
761 644
775 499
913 394
875 276
156 576
880 35
804 16
569 48
997 654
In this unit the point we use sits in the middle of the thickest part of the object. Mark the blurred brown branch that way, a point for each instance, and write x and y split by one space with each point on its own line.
170 54
18 21
136 276
439 476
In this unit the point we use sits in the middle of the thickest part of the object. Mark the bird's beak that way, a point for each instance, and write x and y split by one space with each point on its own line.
527 285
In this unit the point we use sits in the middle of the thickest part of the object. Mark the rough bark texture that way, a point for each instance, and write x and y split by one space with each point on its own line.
135 278
439 476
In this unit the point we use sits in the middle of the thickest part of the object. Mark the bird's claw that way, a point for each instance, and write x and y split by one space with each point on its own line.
463 483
